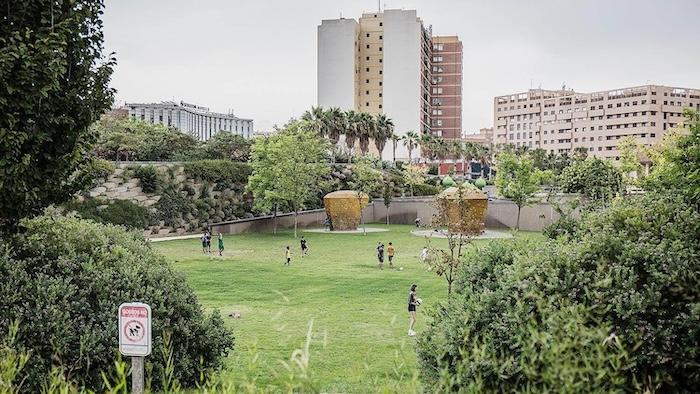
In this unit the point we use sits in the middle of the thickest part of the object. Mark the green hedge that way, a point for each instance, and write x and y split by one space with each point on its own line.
63 279
218 171
117 212
424 189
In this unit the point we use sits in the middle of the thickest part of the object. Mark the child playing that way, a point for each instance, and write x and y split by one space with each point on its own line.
221 245
304 247
288 256
390 252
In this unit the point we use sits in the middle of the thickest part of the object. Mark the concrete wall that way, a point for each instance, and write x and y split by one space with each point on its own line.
500 214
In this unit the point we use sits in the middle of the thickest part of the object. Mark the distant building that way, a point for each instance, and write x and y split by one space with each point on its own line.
484 137
559 121
390 63
190 118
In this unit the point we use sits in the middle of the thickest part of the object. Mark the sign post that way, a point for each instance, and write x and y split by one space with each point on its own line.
135 339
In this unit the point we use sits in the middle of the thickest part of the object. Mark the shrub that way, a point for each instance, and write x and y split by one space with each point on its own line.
433 169
93 172
565 225
172 207
148 177
424 189
118 212
629 274
64 278
594 178
218 171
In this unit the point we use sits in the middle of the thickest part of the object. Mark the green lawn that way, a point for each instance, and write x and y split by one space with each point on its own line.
359 338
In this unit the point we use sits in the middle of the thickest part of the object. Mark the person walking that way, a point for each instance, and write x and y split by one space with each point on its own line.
208 241
304 247
203 238
413 302
221 244
390 251
424 254
380 254
288 256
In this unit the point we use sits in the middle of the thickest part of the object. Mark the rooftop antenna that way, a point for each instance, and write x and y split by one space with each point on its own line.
563 86
379 6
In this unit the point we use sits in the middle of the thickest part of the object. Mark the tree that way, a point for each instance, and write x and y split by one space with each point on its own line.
595 179
677 161
288 168
366 130
629 159
353 129
229 146
54 82
462 220
517 179
387 195
410 140
414 175
317 120
394 142
365 181
384 130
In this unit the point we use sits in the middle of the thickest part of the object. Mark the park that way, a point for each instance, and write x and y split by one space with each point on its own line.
136 256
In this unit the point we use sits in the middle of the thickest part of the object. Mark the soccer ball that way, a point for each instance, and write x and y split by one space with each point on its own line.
400 268
419 301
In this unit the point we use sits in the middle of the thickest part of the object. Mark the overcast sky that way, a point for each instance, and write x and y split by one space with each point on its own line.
258 57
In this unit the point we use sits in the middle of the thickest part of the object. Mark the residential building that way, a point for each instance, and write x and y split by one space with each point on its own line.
382 64
446 93
190 118
559 121
484 137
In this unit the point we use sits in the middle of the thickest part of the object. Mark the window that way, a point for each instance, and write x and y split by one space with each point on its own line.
437 58
380 49
367 69
381 24
367 46
381 60
380 83
380 95
366 91
367 35
381 72
366 80
366 104
367 58
380 37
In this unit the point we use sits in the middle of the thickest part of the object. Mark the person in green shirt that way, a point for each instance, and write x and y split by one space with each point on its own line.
221 245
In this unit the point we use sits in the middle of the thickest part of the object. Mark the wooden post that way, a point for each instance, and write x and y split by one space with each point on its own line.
137 375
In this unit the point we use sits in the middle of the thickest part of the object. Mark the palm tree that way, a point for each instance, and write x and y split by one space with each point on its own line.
317 118
427 145
384 130
352 129
410 140
367 130
334 119
394 141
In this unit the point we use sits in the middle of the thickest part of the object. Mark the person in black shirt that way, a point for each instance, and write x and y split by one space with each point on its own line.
380 254
304 247
413 302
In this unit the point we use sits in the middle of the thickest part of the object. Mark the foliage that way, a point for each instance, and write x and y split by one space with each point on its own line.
288 168
118 212
596 179
630 152
66 292
53 85
93 171
424 189
149 178
677 161
172 208
217 171
229 146
629 274
413 176
365 181
565 225
517 179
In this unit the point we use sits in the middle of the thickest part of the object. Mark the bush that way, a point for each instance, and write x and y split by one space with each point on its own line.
64 278
629 274
566 225
594 178
424 189
148 177
218 171
118 212
173 207
433 169
93 172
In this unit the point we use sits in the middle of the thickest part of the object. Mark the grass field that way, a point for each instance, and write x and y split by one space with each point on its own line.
359 339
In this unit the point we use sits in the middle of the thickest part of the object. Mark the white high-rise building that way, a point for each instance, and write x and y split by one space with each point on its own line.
382 64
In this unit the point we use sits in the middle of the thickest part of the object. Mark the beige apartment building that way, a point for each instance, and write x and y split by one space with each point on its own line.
383 63
559 121
484 137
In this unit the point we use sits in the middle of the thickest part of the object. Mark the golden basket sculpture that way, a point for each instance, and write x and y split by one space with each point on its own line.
343 207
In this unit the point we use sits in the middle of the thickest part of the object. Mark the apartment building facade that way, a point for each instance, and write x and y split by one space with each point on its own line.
190 118
446 90
559 121
382 64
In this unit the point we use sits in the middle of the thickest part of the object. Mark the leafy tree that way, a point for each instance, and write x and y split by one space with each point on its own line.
226 145
462 221
387 195
629 159
53 84
596 179
517 179
288 168
414 175
365 181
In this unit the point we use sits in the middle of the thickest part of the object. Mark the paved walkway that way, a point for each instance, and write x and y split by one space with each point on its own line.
358 231
487 234
174 237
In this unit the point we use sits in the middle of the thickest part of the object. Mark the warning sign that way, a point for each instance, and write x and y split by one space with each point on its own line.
135 329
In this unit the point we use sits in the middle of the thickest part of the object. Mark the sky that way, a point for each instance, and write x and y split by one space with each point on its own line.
258 57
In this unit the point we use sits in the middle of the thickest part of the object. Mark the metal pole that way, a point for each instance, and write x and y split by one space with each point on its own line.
137 375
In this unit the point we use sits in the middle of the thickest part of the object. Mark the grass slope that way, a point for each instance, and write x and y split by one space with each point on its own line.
359 342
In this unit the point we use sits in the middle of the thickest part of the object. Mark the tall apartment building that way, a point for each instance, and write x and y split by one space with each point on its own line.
446 119
559 121
190 118
383 64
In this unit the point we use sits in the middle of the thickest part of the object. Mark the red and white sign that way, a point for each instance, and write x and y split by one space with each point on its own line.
134 329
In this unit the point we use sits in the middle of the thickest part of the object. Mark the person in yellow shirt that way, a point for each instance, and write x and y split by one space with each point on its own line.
390 251
288 256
